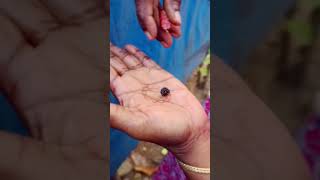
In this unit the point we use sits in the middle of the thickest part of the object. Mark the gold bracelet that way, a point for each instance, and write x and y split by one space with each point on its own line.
194 169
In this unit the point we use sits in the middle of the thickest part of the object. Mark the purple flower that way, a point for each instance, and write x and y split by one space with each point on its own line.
169 169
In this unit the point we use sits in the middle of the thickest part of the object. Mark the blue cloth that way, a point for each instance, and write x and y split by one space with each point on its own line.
185 54
9 120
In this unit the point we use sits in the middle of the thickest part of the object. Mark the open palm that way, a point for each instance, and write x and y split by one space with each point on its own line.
144 112
52 69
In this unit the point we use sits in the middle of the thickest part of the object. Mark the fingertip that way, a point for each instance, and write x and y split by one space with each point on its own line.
177 17
175 31
151 32
149 36
165 38
176 34
130 48
172 9
164 44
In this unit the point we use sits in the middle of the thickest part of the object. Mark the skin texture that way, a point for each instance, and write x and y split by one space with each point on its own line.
148 12
249 140
177 121
52 69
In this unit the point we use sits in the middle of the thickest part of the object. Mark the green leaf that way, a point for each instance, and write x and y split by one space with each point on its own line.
203 72
301 32
204 68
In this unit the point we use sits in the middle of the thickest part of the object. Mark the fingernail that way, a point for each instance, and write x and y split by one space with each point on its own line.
164 44
175 35
148 35
178 17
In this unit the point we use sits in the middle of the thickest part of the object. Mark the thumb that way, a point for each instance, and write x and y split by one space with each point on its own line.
25 158
127 120
172 8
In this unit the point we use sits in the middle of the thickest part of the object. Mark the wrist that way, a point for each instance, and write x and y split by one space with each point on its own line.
196 152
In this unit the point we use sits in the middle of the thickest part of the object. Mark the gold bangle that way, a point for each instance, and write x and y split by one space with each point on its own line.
194 169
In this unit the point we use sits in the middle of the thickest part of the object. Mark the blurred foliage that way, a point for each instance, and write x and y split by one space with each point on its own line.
314 4
301 32
204 68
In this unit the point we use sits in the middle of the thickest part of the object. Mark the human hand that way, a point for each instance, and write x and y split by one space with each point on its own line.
57 84
176 121
148 12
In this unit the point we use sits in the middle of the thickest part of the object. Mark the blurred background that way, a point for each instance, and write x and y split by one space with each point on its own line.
284 69
275 47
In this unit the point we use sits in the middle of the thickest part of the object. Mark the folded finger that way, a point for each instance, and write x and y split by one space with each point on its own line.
165 38
118 65
142 57
172 8
113 74
127 58
33 19
75 11
175 30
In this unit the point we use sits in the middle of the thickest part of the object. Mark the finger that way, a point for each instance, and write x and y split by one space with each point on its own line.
127 58
172 7
126 120
143 58
118 65
75 11
145 13
113 75
81 63
32 18
115 81
165 38
11 42
175 30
